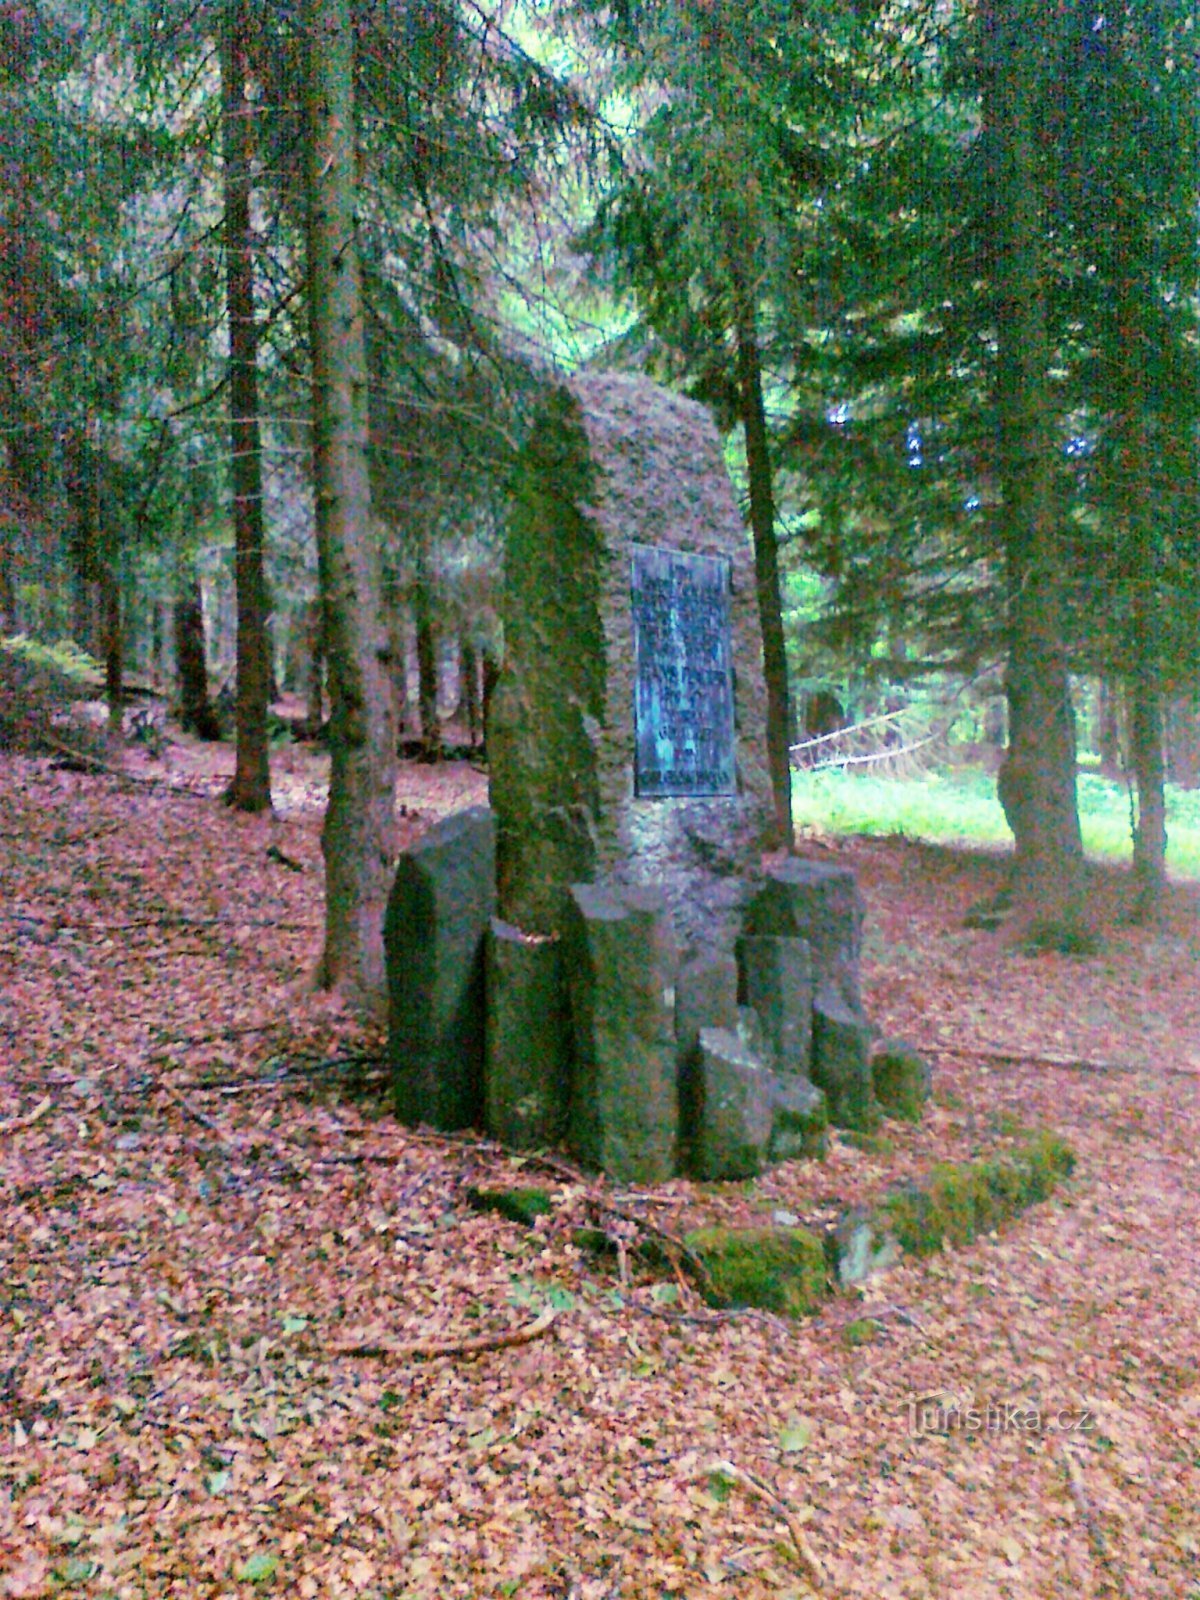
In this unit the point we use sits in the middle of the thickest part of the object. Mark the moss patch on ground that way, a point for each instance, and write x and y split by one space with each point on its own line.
961 1201
518 1205
774 1269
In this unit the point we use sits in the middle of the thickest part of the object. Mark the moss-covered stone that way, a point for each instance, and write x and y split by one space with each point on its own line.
800 1121
901 1079
863 1330
518 1205
774 1269
959 1202
841 1063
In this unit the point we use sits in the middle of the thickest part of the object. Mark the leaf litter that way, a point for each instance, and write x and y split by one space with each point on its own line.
207 1204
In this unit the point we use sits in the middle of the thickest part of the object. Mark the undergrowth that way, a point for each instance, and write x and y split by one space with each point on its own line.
960 807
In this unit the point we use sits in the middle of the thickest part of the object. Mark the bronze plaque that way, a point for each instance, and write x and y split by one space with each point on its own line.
683 687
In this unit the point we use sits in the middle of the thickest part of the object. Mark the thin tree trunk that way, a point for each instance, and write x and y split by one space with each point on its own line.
469 658
1136 459
1036 782
114 649
1183 743
191 664
357 840
766 559
8 596
1109 740
251 786
427 668
1146 717
491 677
1149 776
314 667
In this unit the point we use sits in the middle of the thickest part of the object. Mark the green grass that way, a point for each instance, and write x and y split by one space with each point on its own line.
960 807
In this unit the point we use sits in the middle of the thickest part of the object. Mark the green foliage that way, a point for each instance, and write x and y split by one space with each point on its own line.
959 807
775 1269
37 685
64 659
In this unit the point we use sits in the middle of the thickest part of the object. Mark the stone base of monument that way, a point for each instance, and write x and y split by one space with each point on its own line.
842 1062
601 1039
438 913
775 978
621 963
527 1060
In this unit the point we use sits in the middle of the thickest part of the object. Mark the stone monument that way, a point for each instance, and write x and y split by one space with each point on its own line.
650 994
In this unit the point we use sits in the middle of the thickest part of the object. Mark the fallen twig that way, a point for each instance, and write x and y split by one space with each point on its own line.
15 1124
883 1314
274 853
453 1347
991 1052
806 1556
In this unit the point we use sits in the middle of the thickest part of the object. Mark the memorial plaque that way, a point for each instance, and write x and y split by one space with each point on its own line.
683 688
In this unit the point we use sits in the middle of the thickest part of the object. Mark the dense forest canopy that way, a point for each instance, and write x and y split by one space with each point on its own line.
933 264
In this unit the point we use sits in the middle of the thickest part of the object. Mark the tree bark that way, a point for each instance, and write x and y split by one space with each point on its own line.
766 556
8 600
1036 782
1146 712
250 789
427 665
469 657
191 664
113 643
1183 742
1142 558
1149 774
357 840
1109 739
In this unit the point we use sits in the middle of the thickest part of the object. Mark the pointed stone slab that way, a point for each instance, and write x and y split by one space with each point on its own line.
629 580
441 902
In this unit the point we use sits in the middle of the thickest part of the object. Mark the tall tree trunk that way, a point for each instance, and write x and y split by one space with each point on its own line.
314 666
8 597
766 556
196 715
1149 775
1146 715
469 657
1036 782
357 840
251 786
1142 555
1109 738
491 677
1183 742
427 665
113 642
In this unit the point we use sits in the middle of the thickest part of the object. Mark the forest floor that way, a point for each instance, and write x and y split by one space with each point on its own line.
205 1200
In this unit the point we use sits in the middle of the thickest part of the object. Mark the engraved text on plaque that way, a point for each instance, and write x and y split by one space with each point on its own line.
683 689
